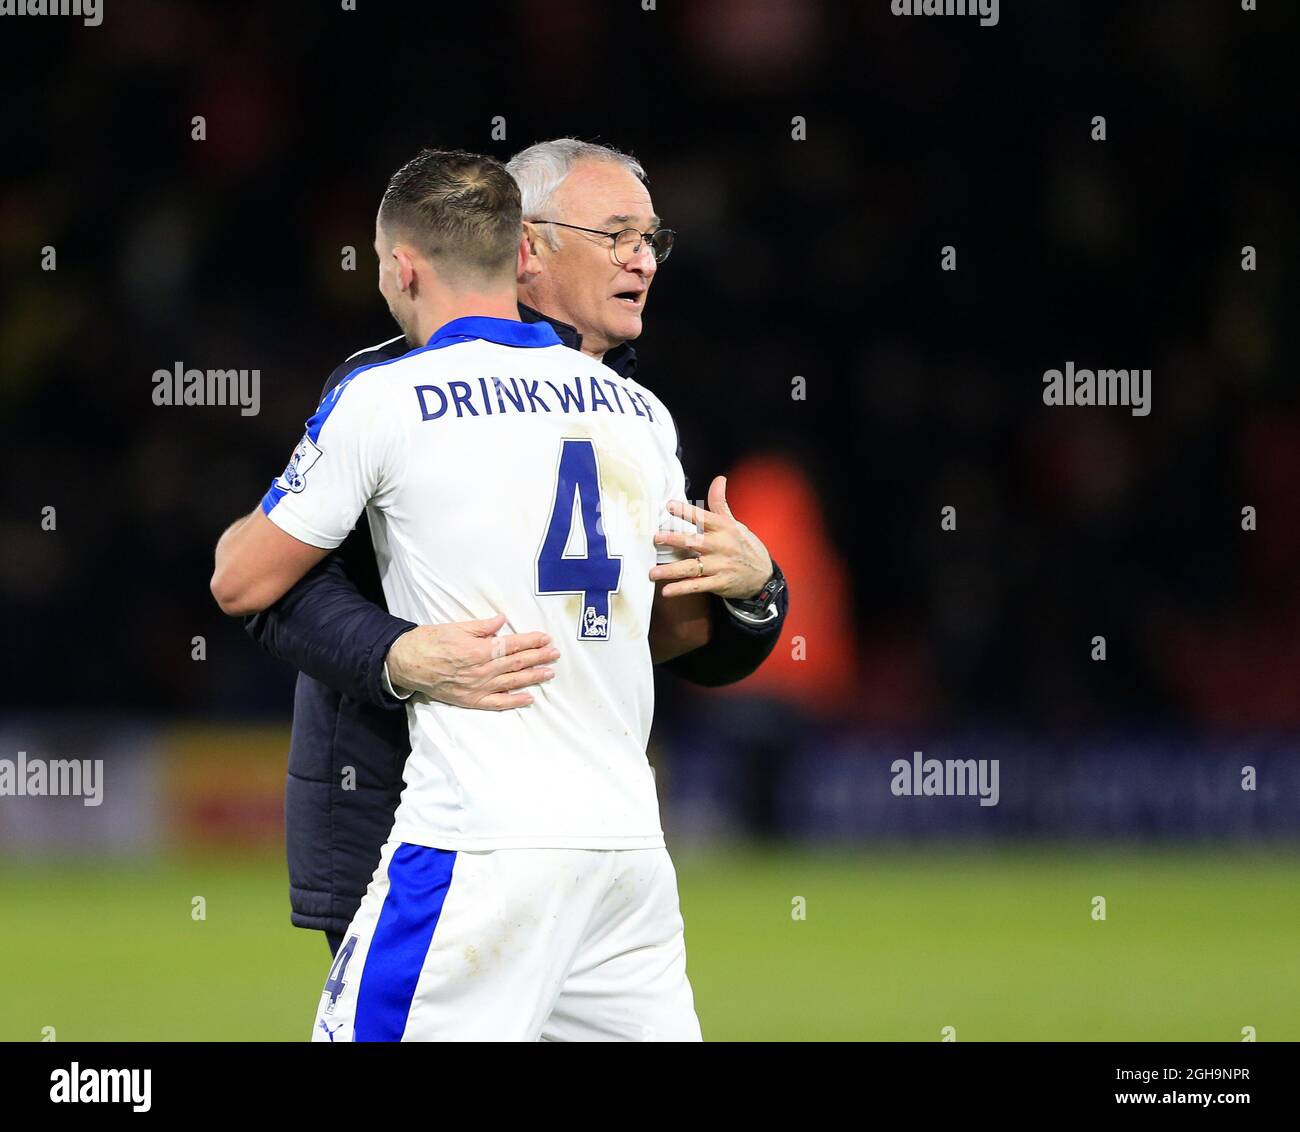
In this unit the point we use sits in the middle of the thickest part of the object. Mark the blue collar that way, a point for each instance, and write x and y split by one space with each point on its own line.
505 331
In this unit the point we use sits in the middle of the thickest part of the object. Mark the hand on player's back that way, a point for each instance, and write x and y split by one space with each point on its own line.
466 665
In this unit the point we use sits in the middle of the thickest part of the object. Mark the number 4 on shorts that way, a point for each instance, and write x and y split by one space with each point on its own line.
334 984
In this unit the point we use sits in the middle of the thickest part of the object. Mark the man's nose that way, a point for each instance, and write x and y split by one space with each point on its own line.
643 262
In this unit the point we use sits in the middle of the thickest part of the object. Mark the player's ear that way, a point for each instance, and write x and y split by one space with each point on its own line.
405 273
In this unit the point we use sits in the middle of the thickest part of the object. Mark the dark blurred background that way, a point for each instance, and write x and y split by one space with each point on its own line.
817 259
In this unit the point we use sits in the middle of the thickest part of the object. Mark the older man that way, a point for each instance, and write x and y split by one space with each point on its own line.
594 248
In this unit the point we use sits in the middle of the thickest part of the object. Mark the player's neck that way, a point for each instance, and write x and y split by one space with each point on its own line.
466 304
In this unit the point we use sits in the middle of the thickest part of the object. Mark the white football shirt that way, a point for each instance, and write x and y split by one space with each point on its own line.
502 472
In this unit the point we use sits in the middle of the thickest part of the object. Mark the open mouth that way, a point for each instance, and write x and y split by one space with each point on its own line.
633 297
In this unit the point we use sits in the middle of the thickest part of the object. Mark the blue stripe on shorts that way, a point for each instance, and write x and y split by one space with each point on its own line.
418 879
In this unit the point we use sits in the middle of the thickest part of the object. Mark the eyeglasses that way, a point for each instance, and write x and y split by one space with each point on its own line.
627 242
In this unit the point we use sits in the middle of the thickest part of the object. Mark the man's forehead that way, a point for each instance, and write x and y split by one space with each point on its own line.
605 193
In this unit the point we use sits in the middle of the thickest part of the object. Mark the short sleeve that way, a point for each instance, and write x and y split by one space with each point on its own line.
675 489
336 469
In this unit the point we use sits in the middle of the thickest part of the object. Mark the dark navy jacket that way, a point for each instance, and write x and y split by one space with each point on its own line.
334 628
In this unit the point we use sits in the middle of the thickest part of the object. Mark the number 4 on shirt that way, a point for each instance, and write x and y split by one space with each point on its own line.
594 573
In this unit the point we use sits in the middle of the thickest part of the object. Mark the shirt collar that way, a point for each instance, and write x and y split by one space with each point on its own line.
621 359
505 331
569 336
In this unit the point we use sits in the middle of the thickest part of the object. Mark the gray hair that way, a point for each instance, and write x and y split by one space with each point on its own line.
540 169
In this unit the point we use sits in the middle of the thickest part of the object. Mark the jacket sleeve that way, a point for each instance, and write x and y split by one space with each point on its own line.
736 647
326 627
332 624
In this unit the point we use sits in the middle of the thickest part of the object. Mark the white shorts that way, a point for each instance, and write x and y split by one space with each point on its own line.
513 945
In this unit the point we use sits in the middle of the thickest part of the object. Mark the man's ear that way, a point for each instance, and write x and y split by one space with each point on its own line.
529 265
405 273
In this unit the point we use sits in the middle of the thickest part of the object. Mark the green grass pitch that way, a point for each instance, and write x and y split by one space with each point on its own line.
895 946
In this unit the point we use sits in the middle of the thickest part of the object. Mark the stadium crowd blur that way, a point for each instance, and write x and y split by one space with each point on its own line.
816 258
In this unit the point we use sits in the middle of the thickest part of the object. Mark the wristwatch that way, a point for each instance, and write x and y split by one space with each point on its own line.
761 607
